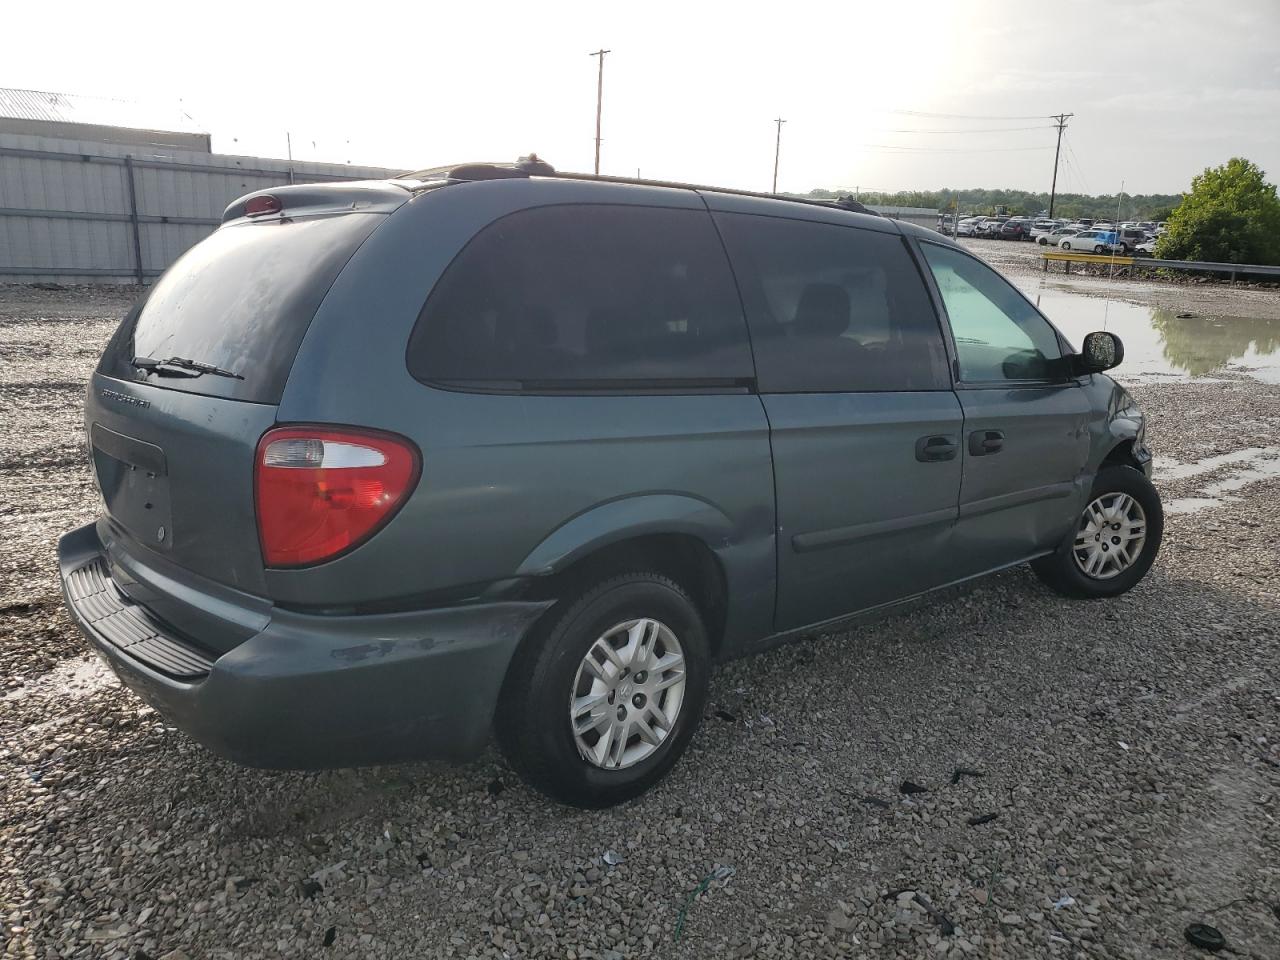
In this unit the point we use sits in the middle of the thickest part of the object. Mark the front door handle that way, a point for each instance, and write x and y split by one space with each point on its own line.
939 447
983 442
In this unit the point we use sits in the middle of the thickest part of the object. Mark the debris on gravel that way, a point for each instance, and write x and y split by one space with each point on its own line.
122 839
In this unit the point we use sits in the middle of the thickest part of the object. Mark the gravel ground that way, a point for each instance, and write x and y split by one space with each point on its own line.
1124 761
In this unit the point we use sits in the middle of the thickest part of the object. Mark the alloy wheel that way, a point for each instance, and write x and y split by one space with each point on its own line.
627 694
1111 535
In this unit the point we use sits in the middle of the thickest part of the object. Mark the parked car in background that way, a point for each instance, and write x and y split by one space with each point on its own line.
1053 239
989 227
1090 241
332 453
965 227
1128 238
1014 229
1042 227
1147 248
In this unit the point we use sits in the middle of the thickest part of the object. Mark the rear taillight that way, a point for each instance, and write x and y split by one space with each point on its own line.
322 491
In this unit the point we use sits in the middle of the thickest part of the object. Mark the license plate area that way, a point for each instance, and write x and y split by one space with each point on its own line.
134 479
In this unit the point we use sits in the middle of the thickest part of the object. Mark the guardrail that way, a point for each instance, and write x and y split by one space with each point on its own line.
1068 257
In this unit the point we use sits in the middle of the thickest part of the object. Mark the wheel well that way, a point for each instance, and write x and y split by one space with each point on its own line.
1121 455
682 557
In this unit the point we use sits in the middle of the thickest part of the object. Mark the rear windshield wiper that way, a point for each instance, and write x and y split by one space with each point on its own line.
170 366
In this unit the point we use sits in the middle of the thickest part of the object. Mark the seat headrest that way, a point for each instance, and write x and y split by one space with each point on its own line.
823 311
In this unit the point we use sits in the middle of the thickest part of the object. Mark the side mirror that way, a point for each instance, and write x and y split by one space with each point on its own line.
1100 351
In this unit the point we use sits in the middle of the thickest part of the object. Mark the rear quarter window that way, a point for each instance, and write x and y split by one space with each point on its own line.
586 296
242 300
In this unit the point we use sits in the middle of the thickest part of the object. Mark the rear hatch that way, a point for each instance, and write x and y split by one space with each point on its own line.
192 378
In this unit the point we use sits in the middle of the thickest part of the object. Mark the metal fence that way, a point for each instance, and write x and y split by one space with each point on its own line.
1068 257
80 211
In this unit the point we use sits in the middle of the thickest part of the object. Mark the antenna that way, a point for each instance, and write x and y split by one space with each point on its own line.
777 151
1111 269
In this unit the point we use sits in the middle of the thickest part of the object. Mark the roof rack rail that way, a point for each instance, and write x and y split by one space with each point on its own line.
844 203
530 165
534 166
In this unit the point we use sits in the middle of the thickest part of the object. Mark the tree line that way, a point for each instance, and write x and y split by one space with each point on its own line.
1231 214
1154 206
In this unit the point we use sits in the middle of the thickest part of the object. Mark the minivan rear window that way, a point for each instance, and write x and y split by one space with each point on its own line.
240 300
586 297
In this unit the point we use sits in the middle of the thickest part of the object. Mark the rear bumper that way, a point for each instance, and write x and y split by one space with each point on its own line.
307 691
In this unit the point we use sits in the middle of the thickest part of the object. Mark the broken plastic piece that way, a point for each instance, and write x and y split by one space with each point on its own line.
1206 937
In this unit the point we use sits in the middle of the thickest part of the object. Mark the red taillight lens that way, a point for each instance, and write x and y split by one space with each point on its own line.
322 491
257 206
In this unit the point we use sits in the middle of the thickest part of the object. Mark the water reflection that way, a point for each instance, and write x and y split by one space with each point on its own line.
1201 345
1157 342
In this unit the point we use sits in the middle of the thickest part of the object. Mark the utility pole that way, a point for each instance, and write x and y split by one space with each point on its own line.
1062 125
599 100
777 150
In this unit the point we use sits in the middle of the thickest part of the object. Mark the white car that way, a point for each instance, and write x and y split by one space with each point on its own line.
1055 236
1146 248
1042 228
1090 241
965 227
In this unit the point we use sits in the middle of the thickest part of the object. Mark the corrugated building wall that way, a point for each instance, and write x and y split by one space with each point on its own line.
83 211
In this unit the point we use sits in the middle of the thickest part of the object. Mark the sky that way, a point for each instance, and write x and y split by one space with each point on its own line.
876 96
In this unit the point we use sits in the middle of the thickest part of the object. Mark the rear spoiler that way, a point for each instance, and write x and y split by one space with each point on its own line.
311 199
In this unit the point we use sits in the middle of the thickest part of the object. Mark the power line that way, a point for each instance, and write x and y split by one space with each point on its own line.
1043 126
957 116
1075 164
907 149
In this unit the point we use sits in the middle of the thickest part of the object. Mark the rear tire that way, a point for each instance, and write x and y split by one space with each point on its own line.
1064 570
542 725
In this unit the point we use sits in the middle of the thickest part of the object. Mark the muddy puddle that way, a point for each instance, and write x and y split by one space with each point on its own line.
1230 473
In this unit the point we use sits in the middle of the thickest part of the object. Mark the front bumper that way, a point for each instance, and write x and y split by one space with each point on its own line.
306 691
1142 456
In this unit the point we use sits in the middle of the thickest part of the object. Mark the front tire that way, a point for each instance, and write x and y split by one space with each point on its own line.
602 700
1113 542
1099 249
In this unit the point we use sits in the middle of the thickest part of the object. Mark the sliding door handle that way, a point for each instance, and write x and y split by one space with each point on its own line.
938 447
